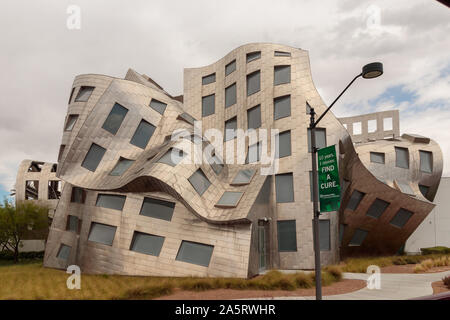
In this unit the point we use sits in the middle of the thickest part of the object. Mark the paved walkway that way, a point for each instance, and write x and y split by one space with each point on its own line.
394 286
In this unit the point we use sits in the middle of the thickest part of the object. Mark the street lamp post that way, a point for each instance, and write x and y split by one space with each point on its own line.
369 71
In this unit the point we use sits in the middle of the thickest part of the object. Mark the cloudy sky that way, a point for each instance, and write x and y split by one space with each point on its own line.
40 56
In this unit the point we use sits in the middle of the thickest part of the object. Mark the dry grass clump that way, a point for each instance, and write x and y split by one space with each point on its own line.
446 281
359 265
32 281
427 264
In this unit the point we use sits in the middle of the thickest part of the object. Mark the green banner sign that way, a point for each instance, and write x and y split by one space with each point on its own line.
329 187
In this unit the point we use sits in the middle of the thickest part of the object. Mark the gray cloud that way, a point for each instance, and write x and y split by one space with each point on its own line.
40 56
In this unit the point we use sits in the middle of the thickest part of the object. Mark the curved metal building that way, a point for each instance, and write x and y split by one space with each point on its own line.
181 186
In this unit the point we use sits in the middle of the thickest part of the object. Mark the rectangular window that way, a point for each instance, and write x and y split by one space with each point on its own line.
115 118
253 56
405 187
61 151
287 236
284 184
371 126
324 235
424 190
158 209
54 189
83 94
199 181
71 95
358 237
401 157
158 106
401 218
208 105
230 95
121 166
253 153
282 75
321 138
172 157
31 189
253 82
283 144
243 177
229 199
216 164
71 120
377 208
64 252
93 157
254 117
341 233
146 243
210 78
357 128
282 54
73 224
387 124
187 117
426 161
102 233
143 134
229 68
195 253
282 107
35 166
110 201
377 157
355 199
78 195
230 129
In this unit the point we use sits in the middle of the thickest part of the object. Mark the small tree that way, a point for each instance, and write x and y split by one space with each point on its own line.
17 221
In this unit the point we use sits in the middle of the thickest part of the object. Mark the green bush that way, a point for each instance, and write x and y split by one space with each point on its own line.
8 255
435 250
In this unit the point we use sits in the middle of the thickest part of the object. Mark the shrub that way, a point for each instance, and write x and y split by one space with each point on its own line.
8 255
419 268
147 292
335 272
435 250
303 280
197 284
446 281
399 261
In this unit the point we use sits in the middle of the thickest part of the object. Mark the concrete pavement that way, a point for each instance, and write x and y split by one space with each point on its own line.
394 286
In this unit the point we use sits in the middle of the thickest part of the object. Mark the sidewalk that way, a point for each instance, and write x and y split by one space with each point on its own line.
394 286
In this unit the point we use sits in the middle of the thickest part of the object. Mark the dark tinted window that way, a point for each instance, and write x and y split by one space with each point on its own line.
156 208
158 106
143 134
115 118
146 243
287 235
93 157
110 201
196 253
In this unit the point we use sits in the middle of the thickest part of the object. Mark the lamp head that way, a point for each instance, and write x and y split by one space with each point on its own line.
372 70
